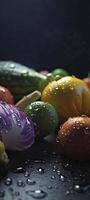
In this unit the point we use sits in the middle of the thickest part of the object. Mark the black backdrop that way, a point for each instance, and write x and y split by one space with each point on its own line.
46 34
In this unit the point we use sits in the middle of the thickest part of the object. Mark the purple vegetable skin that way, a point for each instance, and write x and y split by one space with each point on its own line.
16 129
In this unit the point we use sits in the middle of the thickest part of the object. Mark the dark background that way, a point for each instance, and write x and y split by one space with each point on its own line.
46 34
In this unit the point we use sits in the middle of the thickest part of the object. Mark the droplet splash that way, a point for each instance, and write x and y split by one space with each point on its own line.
36 194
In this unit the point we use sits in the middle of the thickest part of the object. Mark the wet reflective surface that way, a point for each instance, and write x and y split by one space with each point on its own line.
41 173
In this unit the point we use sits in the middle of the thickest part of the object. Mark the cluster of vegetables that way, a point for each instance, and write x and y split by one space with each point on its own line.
37 104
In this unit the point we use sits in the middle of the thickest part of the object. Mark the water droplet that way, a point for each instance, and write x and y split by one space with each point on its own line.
6 131
54 170
8 181
30 182
50 89
57 88
77 188
55 167
40 170
56 161
10 189
81 124
20 183
66 165
12 66
71 88
19 170
77 122
13 116
53 177
19 124
87 128
87 132
26 174
78 127
17 193
62 178
49 187
67 192
36 194
36 109
2 193
81 189
12 111
58 172
39 161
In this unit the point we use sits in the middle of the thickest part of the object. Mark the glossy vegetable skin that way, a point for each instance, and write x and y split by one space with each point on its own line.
19 79
45 117
5 95
87 81
59 73
69 95
74 138
16 129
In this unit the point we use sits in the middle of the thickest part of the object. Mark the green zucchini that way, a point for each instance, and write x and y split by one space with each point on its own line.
19 79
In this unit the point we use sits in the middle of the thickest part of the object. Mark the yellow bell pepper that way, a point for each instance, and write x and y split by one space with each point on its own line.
69 95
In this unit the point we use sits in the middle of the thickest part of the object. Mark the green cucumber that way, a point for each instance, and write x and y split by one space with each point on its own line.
20 80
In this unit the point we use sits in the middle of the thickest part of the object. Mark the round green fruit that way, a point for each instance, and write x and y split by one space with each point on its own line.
59 73
45 117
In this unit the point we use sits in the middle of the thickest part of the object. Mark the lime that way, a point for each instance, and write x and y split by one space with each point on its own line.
45 117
